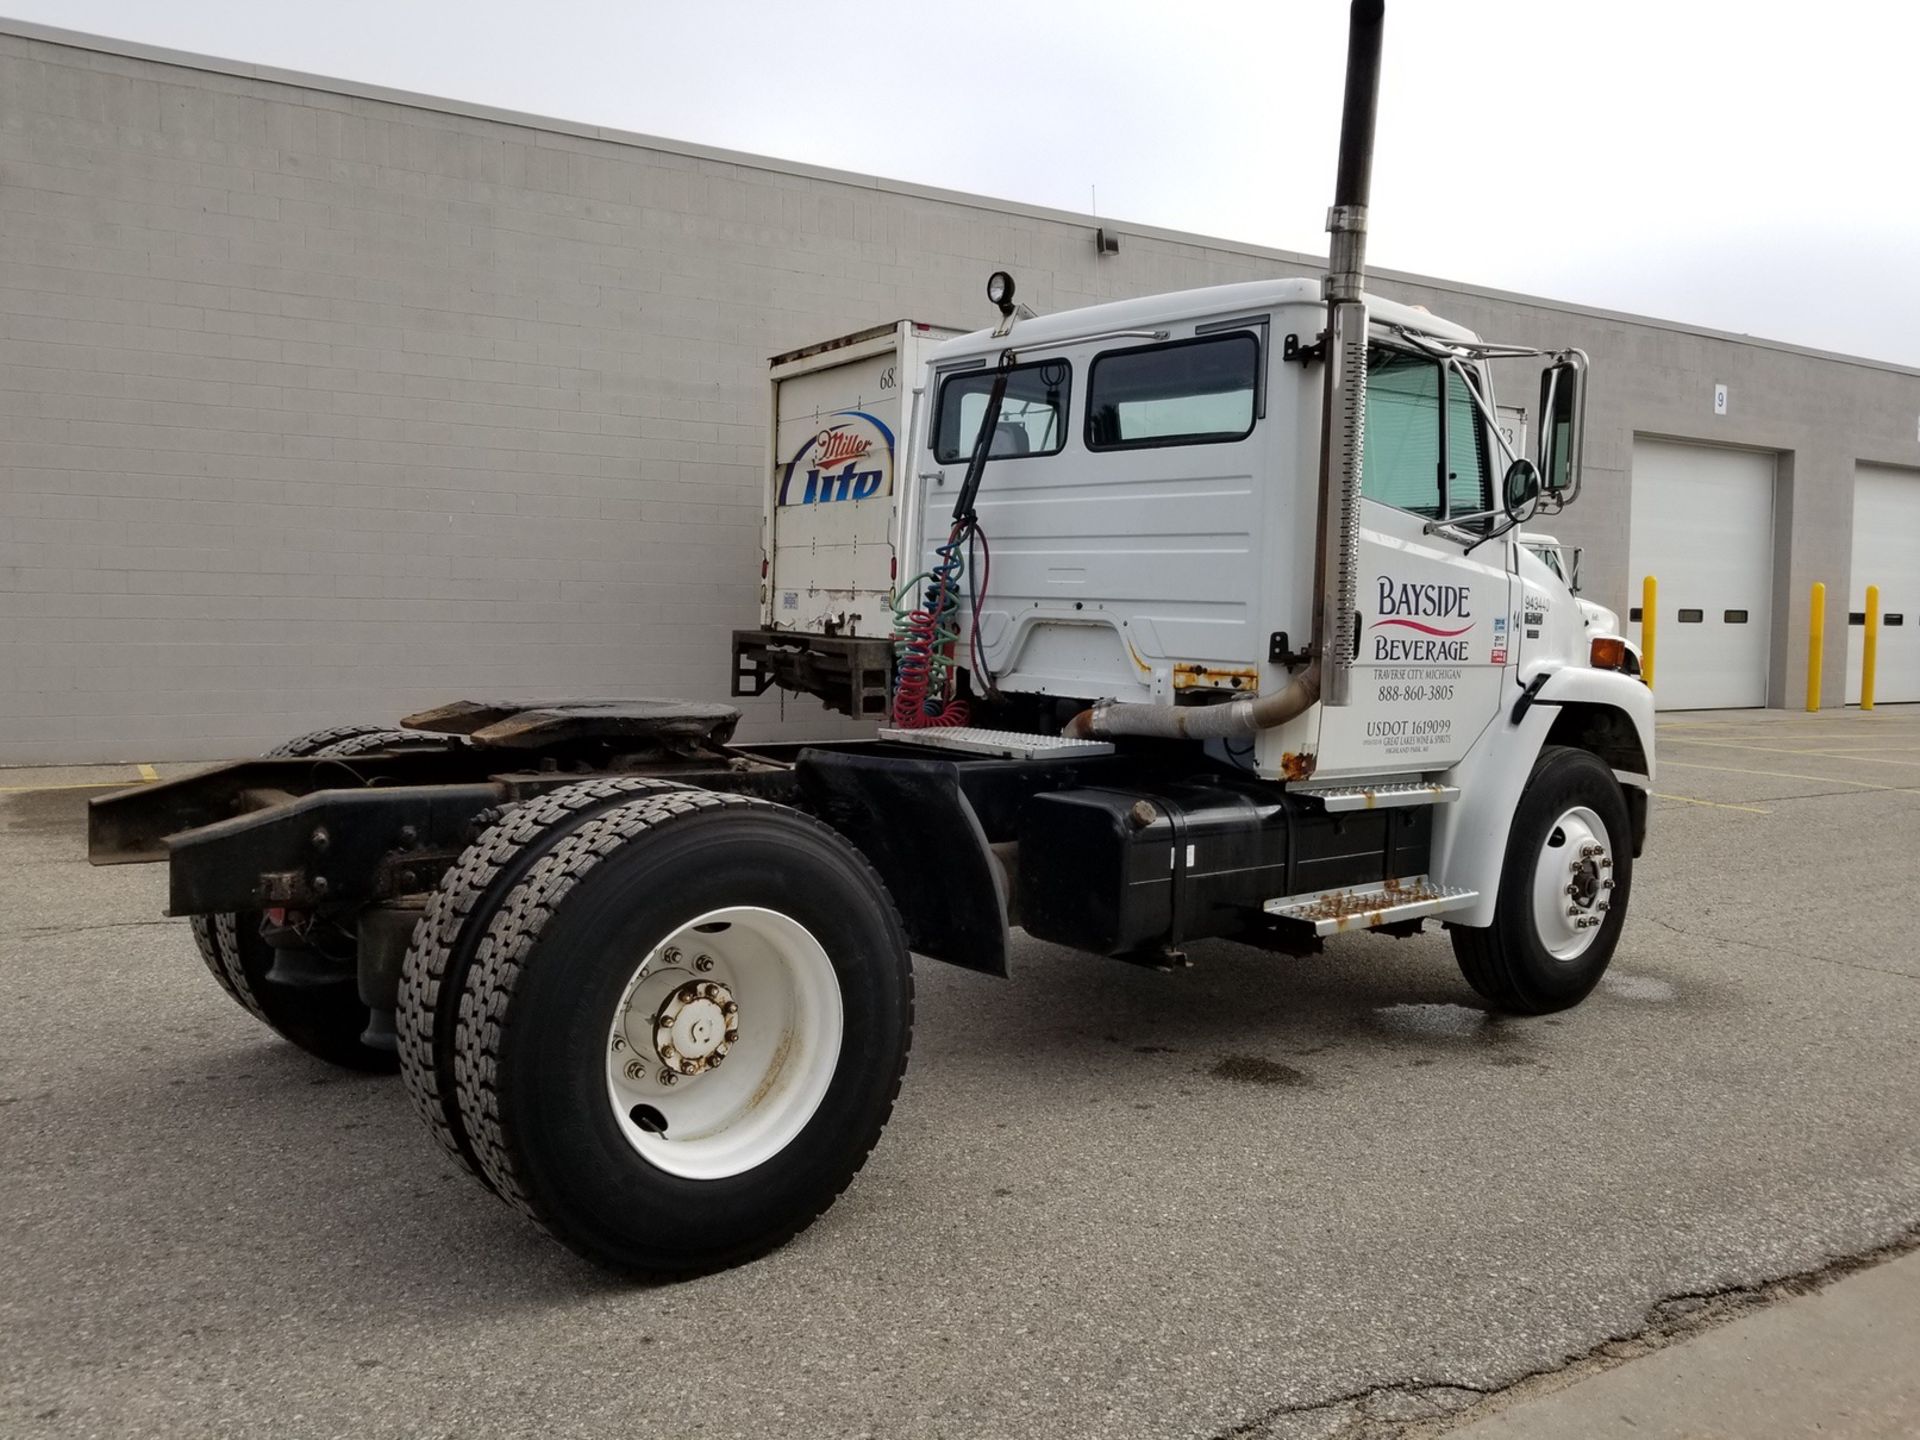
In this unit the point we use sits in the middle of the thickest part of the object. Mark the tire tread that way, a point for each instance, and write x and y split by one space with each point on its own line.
486 1003
1490 958
465 900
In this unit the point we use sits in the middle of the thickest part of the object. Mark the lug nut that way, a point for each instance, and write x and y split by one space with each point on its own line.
688 1067
320 839
703 962
688 993
713 1060
667 1077
635 1070
671 955
730 1037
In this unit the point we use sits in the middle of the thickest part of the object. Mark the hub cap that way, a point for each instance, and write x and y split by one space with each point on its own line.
696 1027
1573 884
724 1043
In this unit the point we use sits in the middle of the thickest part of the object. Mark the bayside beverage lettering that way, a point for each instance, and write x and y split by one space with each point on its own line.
1422 623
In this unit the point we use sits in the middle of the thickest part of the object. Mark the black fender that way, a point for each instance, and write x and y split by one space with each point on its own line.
911 820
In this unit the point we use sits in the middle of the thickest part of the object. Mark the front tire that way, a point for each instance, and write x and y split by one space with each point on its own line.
1564 886
667 932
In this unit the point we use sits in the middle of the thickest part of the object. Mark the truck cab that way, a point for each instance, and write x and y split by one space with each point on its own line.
1146 531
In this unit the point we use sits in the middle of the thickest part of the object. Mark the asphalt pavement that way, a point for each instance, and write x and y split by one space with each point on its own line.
1262 1197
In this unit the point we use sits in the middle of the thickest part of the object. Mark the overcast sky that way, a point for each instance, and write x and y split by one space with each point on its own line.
1748 166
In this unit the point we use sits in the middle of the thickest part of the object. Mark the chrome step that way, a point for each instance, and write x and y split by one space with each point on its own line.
1007 744
1333 912
1378 797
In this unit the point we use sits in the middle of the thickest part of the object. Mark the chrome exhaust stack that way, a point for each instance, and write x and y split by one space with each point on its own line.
1344 404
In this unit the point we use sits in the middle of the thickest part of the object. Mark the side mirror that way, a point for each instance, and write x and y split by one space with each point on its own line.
1563 420
1520 491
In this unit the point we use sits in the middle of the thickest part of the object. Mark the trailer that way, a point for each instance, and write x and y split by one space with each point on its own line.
1217 620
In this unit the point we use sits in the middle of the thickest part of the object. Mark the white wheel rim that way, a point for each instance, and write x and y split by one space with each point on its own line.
745 1081
1573 884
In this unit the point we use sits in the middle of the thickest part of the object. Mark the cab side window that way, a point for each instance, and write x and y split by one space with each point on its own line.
1033 412
1400 465
1183 392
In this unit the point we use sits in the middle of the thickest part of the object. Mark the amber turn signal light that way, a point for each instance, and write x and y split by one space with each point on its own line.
1609 652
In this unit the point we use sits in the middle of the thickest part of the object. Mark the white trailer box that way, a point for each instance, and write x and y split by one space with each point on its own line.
840 416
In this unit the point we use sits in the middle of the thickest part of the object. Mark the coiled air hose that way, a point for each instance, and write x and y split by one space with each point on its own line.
924 641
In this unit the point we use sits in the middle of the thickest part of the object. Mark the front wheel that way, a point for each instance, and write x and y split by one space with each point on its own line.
1563 890
684 1031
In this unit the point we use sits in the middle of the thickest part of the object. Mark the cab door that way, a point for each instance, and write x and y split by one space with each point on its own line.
1434 637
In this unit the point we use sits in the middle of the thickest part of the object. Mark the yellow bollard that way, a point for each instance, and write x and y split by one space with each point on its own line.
1870 650
1816 643
1649 597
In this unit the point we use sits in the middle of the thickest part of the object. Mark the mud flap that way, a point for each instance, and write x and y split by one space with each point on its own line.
911 821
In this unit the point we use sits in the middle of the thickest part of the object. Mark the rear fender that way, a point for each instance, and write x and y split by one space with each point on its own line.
911 820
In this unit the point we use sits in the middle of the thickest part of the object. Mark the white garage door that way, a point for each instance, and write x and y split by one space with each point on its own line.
1886 552
1703 524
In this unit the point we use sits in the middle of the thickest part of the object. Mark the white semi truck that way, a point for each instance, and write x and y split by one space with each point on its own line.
1215 620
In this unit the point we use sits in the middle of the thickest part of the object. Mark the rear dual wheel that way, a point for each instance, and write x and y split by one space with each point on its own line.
453 926
315 1005
678 1035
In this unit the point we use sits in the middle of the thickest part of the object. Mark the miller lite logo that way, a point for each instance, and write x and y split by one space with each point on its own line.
850 459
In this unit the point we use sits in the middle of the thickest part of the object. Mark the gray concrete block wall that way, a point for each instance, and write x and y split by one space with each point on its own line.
320 404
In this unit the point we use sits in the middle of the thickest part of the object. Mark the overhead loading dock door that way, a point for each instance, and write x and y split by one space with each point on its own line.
1703 524
1886 552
